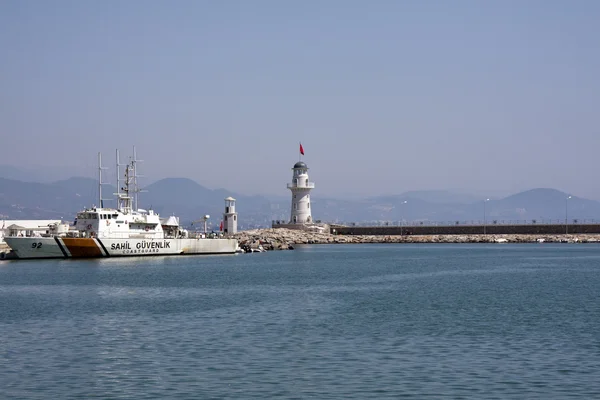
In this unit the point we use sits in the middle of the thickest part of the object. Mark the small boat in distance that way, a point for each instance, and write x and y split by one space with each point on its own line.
122 231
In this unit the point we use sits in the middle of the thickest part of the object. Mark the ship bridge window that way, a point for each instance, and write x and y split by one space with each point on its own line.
115 216
94 216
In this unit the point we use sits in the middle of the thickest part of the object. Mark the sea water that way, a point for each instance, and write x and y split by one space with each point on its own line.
367 321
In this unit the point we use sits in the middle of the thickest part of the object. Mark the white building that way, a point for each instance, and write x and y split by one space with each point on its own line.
300 188
230 217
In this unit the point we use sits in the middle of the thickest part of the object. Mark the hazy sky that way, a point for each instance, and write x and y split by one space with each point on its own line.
385 96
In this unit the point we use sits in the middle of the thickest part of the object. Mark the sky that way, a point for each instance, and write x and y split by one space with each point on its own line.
486 97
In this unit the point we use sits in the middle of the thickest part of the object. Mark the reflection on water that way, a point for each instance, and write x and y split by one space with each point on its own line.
355 321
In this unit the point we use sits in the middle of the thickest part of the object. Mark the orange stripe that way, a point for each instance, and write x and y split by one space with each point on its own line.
82 247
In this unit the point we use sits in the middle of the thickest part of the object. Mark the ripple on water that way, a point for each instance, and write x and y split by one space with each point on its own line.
397 321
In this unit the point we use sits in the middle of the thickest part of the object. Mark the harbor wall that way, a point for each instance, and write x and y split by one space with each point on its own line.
284 239
529 229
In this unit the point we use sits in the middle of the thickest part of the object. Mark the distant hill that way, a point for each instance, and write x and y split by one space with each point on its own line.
22 200
544 203
441 196
172 196
189 200
539 204
39 174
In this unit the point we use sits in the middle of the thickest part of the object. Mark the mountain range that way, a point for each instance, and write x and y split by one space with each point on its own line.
190 201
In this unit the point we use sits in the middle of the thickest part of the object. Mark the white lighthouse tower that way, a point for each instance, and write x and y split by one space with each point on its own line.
300 188
230 217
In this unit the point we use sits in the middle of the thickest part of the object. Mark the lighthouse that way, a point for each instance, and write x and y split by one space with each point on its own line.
230 217
300 188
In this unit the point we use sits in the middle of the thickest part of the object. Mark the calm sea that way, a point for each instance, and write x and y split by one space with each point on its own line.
319 322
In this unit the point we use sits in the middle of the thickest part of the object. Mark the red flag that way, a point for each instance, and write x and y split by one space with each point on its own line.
301 149
221 227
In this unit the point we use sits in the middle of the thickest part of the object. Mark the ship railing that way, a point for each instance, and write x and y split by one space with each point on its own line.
196 235
202 235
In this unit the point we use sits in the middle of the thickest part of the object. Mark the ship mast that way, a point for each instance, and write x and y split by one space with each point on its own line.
118 194
126 203
100 183
123 198
136 188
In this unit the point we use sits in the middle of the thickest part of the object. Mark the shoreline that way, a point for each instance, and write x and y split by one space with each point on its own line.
284 239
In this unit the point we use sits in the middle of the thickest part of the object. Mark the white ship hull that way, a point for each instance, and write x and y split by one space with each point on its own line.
62 247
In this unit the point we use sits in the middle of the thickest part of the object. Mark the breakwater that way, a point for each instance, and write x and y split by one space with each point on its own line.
491 229
283 239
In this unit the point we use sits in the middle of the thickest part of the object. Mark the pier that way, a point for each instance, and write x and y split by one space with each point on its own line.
284 239
469 229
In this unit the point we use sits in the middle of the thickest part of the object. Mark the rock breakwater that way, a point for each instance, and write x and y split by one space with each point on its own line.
284 239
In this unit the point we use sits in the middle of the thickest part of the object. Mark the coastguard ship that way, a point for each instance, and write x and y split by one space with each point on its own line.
122 231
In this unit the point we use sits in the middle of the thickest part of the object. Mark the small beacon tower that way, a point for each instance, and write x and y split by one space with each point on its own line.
300 188
230 217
